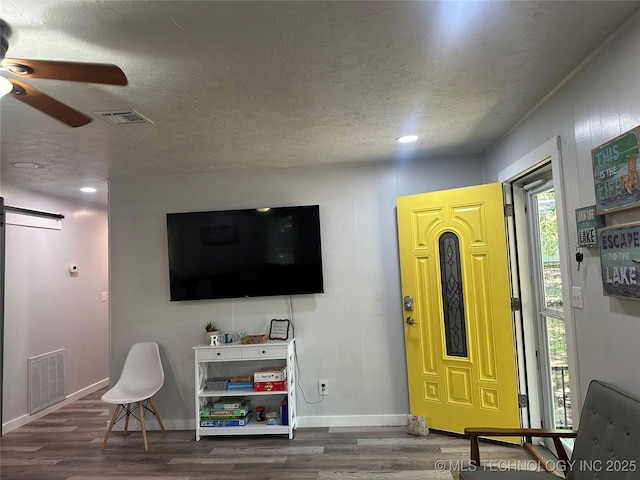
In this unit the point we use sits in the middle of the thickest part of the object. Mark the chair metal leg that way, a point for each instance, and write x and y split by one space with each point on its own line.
126 420
144 432
155 412
111 423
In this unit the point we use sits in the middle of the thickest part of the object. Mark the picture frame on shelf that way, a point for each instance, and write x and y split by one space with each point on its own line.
279 329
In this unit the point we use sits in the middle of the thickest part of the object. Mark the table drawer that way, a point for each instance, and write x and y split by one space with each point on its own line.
265 351
214 354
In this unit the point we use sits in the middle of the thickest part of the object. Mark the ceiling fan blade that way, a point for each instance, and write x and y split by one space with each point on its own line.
46 104
73 71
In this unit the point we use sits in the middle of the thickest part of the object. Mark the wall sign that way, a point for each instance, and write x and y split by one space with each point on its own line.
615 173
279 329
587 224
620 260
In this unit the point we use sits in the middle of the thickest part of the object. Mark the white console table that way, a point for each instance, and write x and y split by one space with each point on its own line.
237 359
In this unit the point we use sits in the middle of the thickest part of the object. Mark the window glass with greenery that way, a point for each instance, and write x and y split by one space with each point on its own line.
550 255
552 309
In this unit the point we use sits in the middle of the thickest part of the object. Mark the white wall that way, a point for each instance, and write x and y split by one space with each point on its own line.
596 105
46 308
351 335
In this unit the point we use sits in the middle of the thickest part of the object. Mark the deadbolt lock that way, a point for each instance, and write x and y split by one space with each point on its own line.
408 303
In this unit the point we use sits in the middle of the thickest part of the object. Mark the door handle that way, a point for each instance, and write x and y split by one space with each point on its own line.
410 321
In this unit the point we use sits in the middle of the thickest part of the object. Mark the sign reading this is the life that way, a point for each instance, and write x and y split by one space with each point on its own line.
615 173
620 260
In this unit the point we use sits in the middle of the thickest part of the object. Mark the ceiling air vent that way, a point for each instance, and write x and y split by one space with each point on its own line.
122 117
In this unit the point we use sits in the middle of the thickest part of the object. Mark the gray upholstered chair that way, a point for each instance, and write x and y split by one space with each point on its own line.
607 445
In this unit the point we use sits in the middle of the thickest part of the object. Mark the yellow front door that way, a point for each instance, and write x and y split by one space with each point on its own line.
457 308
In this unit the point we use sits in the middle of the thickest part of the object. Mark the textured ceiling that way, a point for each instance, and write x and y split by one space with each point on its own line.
237 85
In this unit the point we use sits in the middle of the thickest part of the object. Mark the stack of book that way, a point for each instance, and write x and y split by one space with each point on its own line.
226 412
240 383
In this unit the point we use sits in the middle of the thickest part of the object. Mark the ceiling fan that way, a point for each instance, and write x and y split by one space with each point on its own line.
56 70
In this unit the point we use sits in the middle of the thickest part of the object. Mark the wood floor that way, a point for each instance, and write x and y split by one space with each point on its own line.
65 445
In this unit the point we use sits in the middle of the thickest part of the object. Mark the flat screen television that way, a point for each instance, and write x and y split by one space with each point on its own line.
245 253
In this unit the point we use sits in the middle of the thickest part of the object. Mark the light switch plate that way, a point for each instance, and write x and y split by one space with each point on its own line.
576 297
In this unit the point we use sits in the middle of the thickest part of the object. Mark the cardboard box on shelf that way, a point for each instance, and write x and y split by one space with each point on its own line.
216 422
230 402
211 411
278 386
234 386
270 374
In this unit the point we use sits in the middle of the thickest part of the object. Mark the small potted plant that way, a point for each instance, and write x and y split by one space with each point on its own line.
209 329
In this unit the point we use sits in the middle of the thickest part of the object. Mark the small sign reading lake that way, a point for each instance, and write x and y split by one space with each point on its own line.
615 173
587 224
620 260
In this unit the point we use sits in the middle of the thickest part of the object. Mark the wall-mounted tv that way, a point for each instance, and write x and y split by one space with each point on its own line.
245 253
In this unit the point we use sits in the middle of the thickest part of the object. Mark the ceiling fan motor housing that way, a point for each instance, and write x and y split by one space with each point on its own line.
4 44
5 32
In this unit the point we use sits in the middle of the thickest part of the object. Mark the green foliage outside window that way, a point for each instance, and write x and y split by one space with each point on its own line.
548 224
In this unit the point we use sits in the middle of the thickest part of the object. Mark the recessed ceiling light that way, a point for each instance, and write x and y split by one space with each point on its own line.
88 190
26 165
407 139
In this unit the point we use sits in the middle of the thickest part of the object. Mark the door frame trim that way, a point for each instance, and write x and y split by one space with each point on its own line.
551 150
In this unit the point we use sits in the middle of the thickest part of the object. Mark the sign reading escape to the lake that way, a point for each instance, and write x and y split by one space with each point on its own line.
620 260
615 173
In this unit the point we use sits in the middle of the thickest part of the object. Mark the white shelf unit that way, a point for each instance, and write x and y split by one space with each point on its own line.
244 359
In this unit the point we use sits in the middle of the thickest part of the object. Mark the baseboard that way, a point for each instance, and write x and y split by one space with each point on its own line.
26 419
353 421
303 422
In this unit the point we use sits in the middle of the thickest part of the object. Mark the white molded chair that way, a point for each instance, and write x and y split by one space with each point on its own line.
142 376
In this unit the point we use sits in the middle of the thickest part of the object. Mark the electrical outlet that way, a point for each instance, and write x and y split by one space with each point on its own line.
323 387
